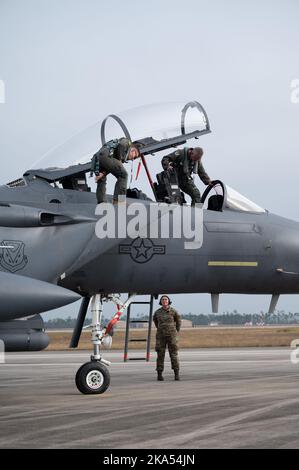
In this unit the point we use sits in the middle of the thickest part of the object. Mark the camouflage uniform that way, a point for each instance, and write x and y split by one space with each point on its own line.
185 167
113 163
168 323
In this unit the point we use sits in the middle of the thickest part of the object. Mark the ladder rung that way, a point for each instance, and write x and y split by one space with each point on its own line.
138 339
137 358
138 321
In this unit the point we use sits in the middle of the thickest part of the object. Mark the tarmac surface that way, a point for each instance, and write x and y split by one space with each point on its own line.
227 398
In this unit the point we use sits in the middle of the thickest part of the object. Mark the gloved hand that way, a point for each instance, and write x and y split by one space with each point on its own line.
100 176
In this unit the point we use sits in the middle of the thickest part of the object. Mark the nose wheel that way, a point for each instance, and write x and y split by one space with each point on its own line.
92 378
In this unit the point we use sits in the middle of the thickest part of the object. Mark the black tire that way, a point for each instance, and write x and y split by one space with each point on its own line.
92 378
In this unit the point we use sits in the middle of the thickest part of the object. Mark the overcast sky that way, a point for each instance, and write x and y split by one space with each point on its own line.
68 63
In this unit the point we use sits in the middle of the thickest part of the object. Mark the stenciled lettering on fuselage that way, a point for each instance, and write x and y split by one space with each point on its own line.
12 255
141 250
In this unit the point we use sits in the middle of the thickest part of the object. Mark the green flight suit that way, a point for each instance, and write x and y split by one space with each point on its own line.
185 167
112 162
168 324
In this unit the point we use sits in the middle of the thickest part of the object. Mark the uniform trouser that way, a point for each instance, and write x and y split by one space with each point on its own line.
116 168
187 185
161 342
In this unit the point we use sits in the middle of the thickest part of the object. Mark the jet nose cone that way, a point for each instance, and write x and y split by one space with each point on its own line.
60 295
24 296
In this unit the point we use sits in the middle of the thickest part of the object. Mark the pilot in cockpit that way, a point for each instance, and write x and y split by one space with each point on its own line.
186 162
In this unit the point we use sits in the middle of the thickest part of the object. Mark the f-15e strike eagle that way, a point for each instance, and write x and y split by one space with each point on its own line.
51 255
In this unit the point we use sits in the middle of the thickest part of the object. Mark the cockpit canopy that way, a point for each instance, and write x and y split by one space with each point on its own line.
220 196
157 127
237 201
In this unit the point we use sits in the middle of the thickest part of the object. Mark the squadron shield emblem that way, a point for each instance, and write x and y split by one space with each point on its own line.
12 256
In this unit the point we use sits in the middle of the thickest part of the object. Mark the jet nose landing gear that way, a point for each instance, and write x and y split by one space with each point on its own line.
93 377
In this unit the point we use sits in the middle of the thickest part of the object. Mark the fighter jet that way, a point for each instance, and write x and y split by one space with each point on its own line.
51 253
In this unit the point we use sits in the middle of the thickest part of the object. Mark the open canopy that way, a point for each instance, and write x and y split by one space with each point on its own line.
156 127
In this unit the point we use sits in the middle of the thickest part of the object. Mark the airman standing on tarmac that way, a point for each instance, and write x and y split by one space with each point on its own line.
168 324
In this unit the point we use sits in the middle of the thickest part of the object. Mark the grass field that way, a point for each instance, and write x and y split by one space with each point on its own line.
191 338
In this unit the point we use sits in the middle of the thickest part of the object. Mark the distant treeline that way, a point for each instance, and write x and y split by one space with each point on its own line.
235 318
228 318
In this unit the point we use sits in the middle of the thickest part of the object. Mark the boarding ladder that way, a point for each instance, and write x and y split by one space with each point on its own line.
150 303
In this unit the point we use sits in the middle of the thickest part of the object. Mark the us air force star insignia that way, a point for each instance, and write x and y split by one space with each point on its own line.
141 250
13 258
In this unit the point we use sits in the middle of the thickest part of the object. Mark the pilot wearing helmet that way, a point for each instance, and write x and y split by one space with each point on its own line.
168 324
110 159
186 162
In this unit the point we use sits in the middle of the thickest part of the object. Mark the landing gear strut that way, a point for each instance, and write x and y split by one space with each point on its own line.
93 377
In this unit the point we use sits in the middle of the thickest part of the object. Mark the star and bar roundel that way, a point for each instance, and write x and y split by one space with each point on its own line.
141 250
